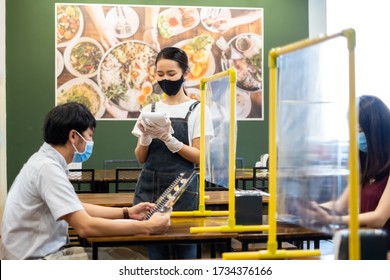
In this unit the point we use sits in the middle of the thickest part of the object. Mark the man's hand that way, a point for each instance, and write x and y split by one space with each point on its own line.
160 222
139 211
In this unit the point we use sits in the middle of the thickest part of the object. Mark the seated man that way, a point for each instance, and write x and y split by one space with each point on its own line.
42 203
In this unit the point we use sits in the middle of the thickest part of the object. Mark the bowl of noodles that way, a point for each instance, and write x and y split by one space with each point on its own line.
126 75
82 57
84 91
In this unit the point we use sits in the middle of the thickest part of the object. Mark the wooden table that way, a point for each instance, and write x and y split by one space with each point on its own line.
105 177
217 199
108 175
178 233
108 199
243 175
291 233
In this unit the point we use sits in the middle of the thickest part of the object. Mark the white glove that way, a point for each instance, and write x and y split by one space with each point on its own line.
163 132
144 139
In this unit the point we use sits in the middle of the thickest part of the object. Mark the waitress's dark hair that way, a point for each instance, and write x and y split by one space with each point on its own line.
175 54
374 120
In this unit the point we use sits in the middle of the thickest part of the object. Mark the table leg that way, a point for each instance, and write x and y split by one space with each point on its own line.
244 246
228 245
199 251
95 251
101 187
213 251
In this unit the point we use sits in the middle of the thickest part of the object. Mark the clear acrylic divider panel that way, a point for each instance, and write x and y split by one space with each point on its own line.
217 97
312 131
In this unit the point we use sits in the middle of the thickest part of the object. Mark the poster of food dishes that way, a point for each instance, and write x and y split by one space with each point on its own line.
105 54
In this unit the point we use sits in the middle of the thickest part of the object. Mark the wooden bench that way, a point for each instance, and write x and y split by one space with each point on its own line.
75 240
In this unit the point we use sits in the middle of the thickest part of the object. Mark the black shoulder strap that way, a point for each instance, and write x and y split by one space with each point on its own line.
153 109
192 107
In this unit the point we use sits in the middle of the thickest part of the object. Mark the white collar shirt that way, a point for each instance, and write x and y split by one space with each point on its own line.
37 200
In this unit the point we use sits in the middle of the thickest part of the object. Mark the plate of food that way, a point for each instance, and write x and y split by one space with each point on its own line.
122 21
127 75
82 57
212 18
59 63
246 56
174 21
70 24
243 104
84 91
200 57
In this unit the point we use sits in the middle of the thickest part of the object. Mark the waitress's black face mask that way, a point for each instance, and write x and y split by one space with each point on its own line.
171 88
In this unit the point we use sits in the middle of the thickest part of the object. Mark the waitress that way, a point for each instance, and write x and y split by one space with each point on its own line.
167 150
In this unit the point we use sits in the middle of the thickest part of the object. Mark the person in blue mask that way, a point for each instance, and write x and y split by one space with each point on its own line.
171 148
42 203
374 157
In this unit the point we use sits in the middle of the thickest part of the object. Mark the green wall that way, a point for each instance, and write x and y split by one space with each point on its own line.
30 70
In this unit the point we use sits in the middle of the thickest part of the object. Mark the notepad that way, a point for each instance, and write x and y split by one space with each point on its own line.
158 118
172 194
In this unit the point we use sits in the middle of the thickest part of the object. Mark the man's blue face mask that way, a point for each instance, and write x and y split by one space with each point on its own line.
362 142
84 156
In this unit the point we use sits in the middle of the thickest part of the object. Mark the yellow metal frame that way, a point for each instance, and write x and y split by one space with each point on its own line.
231 221
202 212
354 245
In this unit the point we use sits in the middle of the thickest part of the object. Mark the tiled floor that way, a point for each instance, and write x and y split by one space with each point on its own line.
326 247
327 250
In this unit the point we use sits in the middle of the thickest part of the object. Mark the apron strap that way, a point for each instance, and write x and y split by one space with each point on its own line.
192 107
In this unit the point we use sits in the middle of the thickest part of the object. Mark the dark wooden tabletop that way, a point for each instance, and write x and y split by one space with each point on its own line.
179 230
126 199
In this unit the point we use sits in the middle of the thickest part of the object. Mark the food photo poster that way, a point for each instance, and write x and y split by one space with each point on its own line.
105 54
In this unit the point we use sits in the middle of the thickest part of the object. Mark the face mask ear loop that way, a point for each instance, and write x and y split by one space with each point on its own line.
83 140
81 136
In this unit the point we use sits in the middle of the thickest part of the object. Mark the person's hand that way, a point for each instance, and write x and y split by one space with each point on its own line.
114 110
313 213
163 132
309 212
156 131
222 25
150 37
144 139
160 222
139 211
144 126
323 214
107 38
